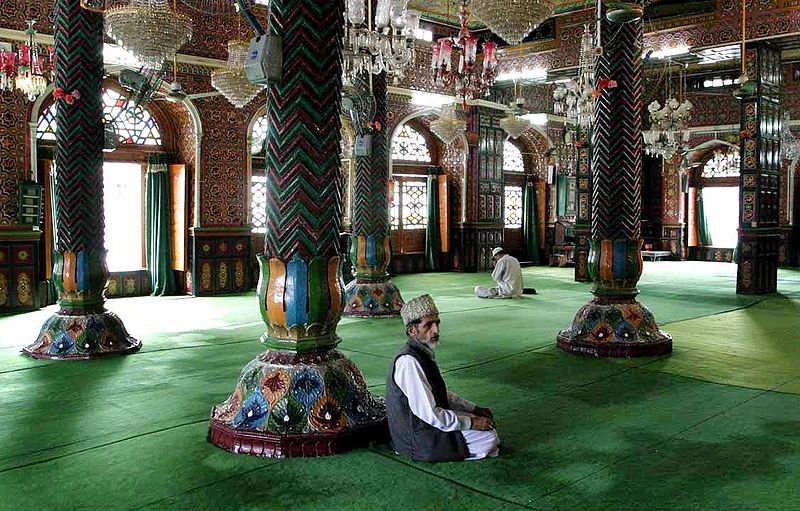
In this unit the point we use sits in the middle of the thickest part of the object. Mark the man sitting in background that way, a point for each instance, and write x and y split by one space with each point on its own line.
508 276
427 422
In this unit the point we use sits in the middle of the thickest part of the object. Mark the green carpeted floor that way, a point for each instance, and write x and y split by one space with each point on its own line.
715 425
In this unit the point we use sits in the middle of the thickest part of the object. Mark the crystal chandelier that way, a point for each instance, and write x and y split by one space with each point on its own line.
26 69
231 81
149 29
388 47
668 133
449 126
789 144
512 19
575 99
466 79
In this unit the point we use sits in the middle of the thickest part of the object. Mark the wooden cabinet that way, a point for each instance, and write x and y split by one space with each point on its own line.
19 275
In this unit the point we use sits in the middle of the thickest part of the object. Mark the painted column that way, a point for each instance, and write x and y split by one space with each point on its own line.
583 208
372 293
762 120
82 328
614 324
301 397
673 224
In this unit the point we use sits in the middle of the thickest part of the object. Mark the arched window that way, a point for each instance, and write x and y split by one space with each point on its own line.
258 175
123 178
134 124
412 158
722 164
719 179
513 168
409 145
512 158
259 135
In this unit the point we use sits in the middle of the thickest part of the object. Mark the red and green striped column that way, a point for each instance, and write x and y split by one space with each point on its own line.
614 324
82 328
301 397
372 293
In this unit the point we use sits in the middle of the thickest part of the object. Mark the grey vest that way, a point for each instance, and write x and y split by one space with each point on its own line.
412 436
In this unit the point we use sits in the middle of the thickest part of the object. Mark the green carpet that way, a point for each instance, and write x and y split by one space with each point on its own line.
713 426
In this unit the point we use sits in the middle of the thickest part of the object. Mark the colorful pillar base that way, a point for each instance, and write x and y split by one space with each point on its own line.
372 299
291 404
619 328
82 337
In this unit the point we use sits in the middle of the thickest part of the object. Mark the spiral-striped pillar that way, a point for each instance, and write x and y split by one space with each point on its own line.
301 397
614 324
82 328
372 293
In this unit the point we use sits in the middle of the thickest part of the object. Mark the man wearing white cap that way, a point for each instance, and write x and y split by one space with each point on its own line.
427 422
507 274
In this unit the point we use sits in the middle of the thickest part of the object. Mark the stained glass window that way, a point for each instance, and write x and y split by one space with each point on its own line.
409 145
512 208
394 205
409 206
258 203
722 164
414 204
259 135
512 158
134 124
47 124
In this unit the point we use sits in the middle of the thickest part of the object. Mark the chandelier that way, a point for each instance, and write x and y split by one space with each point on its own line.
575 99
789 144
149 29
668 133
512 19
449 126
466 80
388 47
231 81
26 69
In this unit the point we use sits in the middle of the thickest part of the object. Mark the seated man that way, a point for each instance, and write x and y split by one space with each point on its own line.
508 276
427 422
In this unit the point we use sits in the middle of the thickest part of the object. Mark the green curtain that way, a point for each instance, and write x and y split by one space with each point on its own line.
530 231
158 234
562 185
433 245
703 234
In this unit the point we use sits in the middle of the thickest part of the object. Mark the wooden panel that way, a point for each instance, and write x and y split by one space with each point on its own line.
178 204
444 213
540 188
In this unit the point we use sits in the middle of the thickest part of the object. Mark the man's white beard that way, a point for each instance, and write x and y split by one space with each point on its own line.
431 344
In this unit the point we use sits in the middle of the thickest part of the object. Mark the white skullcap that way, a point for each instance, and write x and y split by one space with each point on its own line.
496 250
418 307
